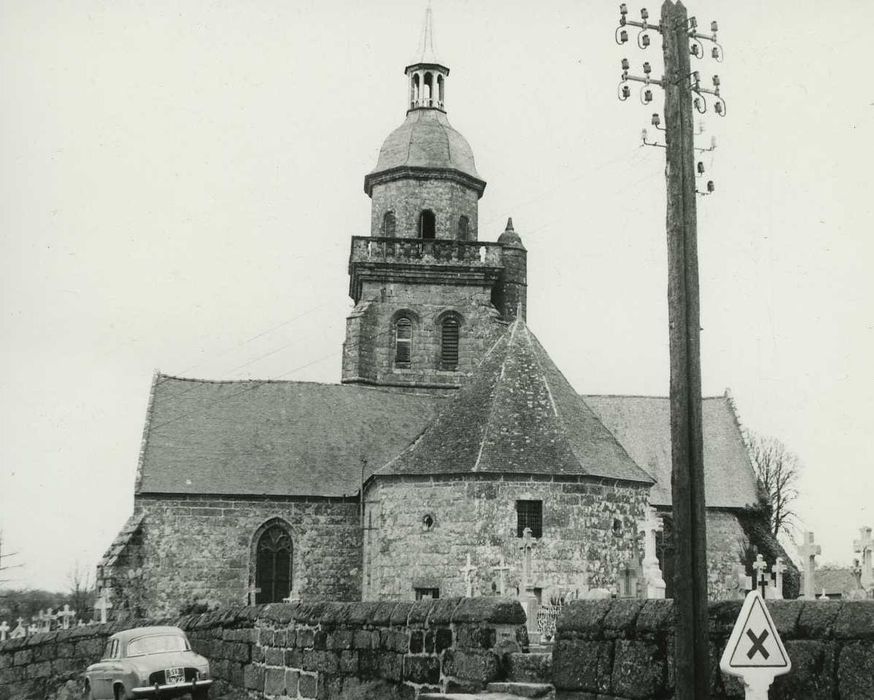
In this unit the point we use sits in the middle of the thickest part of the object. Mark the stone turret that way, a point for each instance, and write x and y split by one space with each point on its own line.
511 293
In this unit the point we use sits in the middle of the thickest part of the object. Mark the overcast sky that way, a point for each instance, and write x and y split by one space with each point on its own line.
179 183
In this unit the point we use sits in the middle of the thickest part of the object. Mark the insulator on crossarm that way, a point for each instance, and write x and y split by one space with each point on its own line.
644 40
626 91
715 81
714 53
623 9
656 119
647 69
693 23
719 108
693 49
700 168
710 186
647 96
624 64
644 14
623 37
714 27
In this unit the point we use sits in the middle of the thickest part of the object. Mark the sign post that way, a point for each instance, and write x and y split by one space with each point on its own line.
755 652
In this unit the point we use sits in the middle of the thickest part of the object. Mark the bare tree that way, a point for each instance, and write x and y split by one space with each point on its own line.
81 595
777 469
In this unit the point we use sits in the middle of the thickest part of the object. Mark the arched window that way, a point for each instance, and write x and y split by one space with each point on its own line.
440 91
273 564
403 341
428 90
427 224
463 228
414 90
389 224
449 343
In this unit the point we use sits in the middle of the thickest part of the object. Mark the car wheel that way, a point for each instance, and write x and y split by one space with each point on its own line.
118 692
89 693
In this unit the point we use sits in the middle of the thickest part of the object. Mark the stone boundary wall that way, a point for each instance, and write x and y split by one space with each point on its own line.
623 649
303 650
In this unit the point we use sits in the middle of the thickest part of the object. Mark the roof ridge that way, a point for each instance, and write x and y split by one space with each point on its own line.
645 396
493 397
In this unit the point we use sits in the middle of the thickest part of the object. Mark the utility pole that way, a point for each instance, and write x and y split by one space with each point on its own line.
680 39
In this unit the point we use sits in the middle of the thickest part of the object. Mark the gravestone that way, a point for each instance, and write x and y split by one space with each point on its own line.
468 571
66 616
19 631
865 547
103 606
4 628
652 572
529 599
761 566
502 570
627 581
809 551
778 569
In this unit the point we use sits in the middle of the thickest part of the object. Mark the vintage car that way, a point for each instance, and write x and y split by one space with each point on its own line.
148 662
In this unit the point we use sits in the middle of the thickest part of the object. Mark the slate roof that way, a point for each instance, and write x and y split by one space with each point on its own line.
272 438
643 425
426 140
518 415
834 581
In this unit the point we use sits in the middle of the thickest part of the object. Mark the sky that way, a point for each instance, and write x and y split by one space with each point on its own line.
179 183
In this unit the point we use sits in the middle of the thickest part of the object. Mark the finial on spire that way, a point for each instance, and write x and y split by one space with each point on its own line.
509 224
427 53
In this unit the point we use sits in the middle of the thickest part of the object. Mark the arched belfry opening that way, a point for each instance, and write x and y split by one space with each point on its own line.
427 224
272 555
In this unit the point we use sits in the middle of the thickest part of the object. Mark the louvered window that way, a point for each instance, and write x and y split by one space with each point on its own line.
403 342
449 344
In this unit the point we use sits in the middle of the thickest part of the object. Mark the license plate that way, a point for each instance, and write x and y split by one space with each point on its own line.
175 675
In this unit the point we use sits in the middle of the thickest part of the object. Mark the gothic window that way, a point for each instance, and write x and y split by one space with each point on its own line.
389 224
403 341
427 224
273 565
529 514
449 343
463 228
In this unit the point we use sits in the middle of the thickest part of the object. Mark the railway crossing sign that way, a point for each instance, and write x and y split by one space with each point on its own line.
755 651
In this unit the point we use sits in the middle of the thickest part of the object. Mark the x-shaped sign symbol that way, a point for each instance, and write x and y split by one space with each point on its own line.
758 644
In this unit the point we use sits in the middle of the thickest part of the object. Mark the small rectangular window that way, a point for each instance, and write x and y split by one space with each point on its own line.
427 593
529 514
403 342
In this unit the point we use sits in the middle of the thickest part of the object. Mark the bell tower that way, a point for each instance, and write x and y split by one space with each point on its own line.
430 298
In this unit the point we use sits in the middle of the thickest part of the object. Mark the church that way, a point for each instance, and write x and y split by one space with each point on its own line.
450 433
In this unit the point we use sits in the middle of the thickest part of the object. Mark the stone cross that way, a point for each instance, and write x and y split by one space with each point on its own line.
823 596
468 572
528 543
741 584
102 605
66 615
529 600
4 628
252 591
652 573
778 569
865 546
761 566
502 570
809 551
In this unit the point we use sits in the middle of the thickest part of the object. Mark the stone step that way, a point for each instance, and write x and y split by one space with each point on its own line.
529 668
523 690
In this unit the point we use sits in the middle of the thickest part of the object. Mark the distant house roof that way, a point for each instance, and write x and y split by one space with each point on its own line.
643 425
518 415
273 438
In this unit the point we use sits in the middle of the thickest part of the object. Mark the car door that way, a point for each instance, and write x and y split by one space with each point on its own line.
101 678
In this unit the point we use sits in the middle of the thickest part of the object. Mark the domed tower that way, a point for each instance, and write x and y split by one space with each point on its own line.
430 298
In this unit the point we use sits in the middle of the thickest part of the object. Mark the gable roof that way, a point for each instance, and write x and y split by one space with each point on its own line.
273 438
518 415
834 580
643 425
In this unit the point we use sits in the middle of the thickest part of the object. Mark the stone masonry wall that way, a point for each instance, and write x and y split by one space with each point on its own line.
366 651
408 197
618 649
200 548
478 516
725 547
369 347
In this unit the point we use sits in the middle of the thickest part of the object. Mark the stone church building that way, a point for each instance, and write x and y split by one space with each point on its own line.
451 431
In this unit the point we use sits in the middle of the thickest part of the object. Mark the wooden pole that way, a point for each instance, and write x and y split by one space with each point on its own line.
691 653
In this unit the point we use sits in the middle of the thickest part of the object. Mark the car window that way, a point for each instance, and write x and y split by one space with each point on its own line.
107 653
113 654
156 643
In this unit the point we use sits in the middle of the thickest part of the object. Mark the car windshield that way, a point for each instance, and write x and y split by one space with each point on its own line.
156 643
